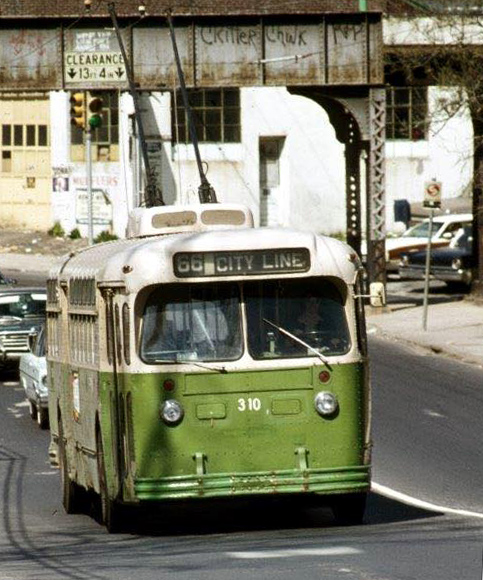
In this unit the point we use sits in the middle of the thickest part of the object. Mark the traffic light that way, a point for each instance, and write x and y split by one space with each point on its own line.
78 110
94 107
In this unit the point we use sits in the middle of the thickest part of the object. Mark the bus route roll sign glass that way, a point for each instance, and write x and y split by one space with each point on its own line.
246 263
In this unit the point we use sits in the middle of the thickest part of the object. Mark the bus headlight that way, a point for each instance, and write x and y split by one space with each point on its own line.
326 403
171 412
43 385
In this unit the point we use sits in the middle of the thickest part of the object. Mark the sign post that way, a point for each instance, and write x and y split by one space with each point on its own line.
432 200
90 224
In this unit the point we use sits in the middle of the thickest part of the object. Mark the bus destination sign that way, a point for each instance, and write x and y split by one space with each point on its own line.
244 263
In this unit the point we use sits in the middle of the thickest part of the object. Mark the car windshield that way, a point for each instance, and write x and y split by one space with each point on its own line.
312 312
421 230
23 305
192 323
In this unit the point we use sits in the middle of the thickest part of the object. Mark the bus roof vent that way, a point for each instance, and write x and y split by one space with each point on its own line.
153 221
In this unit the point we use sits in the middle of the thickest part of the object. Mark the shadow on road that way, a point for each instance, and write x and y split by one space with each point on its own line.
218 517
383 510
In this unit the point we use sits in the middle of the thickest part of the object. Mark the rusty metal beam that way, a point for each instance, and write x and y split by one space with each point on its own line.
269 51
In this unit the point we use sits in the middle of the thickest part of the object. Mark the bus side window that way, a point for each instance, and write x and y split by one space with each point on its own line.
109 337
126 329
118 337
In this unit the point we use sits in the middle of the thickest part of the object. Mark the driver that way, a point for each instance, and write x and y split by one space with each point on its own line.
310 320
315 324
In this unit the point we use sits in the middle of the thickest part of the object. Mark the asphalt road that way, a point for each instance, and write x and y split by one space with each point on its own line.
427 425
426 428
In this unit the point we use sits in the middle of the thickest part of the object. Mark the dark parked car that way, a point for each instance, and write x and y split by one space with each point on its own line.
453 264
5 281
22 313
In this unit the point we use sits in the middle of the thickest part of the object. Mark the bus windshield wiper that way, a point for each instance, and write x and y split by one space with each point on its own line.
300 341
192 362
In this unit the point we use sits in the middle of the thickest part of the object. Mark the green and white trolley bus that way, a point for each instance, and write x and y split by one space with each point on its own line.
204 358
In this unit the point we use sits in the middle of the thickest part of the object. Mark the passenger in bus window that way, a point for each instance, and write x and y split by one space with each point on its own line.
188 328
209 327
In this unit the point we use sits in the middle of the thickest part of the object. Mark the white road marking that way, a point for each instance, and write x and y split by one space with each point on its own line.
430 413
262 554
413 501
53 472
16 409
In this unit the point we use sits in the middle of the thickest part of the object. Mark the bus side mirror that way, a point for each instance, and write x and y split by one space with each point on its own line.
377 294
31 341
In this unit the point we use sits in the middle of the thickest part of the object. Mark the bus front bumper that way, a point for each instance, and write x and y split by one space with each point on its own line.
316 481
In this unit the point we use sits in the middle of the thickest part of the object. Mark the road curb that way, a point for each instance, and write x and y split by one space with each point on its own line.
430 348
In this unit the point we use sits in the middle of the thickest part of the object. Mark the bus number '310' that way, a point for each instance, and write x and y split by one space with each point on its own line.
250 404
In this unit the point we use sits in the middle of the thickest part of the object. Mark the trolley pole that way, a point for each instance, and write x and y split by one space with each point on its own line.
206 192
427 271
90 225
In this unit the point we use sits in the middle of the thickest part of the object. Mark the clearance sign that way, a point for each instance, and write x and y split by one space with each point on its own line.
93 59
100 66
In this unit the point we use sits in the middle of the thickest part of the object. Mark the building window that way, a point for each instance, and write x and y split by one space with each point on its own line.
105 139
216 114
407 113
19 143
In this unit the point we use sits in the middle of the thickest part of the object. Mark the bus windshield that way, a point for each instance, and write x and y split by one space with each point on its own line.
312 311
192 323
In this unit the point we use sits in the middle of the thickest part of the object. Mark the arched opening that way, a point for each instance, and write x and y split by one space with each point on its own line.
347 132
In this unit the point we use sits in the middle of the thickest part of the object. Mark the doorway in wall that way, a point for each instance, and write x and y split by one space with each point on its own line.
270 152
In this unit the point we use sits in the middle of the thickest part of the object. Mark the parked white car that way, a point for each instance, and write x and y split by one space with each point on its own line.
415 238
33 378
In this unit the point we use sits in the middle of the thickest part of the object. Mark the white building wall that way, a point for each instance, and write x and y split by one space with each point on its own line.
447 155
311 195
455 30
